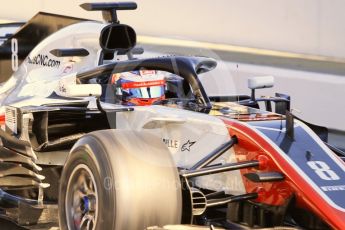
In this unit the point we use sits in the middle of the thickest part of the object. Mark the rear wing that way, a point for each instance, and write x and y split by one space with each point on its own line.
15 47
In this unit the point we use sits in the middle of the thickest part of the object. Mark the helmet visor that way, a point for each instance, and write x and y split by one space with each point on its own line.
151 89
146 92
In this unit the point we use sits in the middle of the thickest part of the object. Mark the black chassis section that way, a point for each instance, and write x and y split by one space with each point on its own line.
41 130
32 155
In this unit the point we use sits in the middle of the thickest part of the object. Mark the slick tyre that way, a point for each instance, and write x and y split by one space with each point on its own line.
119 180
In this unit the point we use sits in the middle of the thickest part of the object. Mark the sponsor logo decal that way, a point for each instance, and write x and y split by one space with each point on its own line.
171 143
44 60
130 85
333 188
186 146
147 72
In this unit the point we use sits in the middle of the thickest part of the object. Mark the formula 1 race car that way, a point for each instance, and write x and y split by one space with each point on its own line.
138 143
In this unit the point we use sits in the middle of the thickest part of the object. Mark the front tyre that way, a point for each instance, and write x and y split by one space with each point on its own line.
119 180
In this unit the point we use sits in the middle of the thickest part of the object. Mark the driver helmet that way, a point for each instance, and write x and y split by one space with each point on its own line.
141 87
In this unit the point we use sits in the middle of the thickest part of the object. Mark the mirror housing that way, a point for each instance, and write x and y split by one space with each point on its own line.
261 82
117 37
68 87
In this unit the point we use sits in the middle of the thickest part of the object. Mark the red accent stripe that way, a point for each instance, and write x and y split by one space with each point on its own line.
252 145
131 85
147 72
145 101
2 119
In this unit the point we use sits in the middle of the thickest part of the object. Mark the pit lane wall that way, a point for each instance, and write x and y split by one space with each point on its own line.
307 26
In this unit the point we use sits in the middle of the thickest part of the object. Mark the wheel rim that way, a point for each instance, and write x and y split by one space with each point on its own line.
81 199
